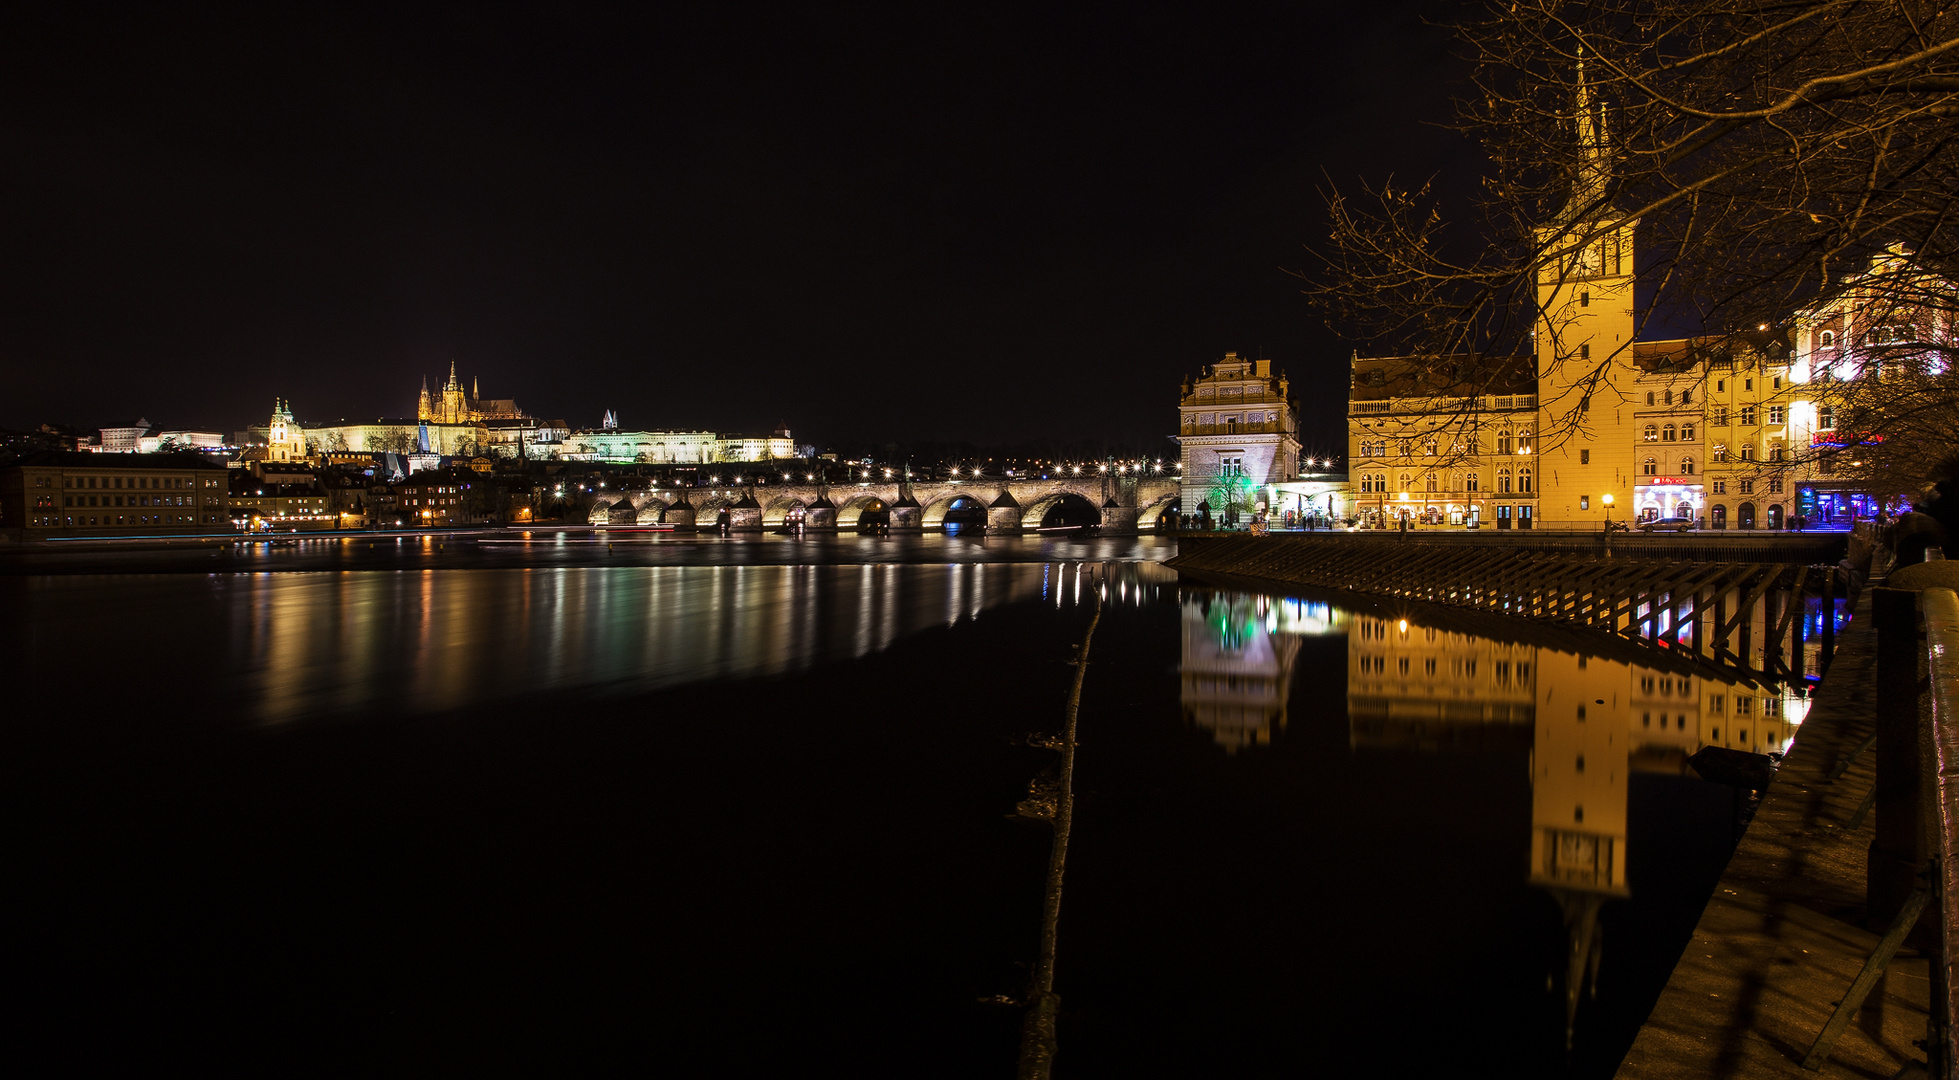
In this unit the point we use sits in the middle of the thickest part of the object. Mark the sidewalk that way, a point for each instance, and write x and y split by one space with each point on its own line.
1782 937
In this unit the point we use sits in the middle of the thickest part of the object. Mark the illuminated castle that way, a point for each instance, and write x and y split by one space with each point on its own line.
455 407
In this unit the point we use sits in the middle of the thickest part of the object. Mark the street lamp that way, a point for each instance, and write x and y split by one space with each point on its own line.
1607 500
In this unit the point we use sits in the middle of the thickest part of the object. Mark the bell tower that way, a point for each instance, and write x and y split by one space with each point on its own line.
1583 341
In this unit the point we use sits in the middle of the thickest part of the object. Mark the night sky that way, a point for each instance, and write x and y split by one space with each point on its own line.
869 223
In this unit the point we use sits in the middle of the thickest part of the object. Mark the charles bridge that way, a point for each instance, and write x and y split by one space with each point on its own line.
1121 504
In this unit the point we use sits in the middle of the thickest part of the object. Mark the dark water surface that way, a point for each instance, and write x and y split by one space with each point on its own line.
753 820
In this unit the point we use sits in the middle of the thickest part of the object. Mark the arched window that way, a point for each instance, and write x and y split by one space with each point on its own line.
1747 452
1503 481
1652 467
1827 339
1687 431
1429 445
1720 451
1686 397
1470 482
1652 433
1686 466
1523 441
1667 433
1432 482
1669 397
1649 397
1523 481
1405 481
1503 441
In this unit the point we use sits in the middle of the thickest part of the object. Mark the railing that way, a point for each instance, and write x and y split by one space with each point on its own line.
1941 607
1914 856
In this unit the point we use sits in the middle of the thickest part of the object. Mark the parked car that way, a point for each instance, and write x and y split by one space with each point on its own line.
1672 524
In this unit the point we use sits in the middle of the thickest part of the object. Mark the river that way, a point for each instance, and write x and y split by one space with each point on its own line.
743 807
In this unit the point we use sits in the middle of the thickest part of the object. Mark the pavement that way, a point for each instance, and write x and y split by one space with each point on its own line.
1783 935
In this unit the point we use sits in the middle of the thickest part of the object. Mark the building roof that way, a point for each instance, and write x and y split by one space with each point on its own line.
80 459
1683 354
1458 375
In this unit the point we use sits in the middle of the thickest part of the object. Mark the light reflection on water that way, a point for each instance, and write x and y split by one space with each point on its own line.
303 645
1590 722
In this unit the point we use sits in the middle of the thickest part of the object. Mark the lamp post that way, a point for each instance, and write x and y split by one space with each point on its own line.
1607 499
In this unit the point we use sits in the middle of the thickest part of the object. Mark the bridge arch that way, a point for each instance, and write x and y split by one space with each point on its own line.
1150 515
933 515
781 510
1078 508
850 512
653 511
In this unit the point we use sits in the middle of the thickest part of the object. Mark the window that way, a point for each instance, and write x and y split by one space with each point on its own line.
1775 414
1687 431
1686 397
1652 467
1686 466
1719 487
1748 384
1748 414
1431 481
1523 481
1669 397
1584 352
1405 481
1231 466
1826 417
1720 386
1827 339
1584 299
1776 382
1584 457
1747 453
1503 442
1775 453
1668 433
1584 502
1503 481
1652 433
1720 418
1720 451
1649 397
1745 486
1470 482
1775 485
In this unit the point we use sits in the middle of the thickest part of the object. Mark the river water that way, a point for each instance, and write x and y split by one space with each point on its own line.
744 808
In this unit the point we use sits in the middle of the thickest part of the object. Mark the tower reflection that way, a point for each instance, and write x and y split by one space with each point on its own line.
1587 723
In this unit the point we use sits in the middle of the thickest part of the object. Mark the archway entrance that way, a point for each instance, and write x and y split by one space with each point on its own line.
1718 516
1745 516
1775 515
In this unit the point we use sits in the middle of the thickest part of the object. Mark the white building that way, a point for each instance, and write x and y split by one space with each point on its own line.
1240 437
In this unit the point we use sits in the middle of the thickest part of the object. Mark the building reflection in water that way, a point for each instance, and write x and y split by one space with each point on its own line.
345 643
1238 653
1589 722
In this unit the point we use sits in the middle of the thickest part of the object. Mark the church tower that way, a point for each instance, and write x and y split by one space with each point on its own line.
425 411
1584 344
453 409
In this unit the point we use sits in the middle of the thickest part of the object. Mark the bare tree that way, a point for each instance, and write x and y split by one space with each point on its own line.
1762 151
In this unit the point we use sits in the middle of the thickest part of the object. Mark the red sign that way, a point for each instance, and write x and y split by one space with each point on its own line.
1664 481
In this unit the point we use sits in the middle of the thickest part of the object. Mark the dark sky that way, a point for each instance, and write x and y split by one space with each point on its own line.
867 222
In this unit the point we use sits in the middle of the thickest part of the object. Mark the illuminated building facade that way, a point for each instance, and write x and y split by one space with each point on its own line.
53 494
675 447
1443 442
1239 435
451 405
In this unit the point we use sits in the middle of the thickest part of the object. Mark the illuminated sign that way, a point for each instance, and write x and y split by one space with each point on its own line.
1670 481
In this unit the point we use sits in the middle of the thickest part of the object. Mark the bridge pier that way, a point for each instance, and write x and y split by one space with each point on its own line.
1003 517
745 515
820 516
1118 520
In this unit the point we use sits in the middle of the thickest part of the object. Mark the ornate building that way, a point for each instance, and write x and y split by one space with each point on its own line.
285 440
1240 436
455 407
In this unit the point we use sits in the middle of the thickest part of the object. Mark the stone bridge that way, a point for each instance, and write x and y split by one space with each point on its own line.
1013 506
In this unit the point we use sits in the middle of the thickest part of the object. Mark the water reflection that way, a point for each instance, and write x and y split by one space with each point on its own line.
302 645
1587 721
